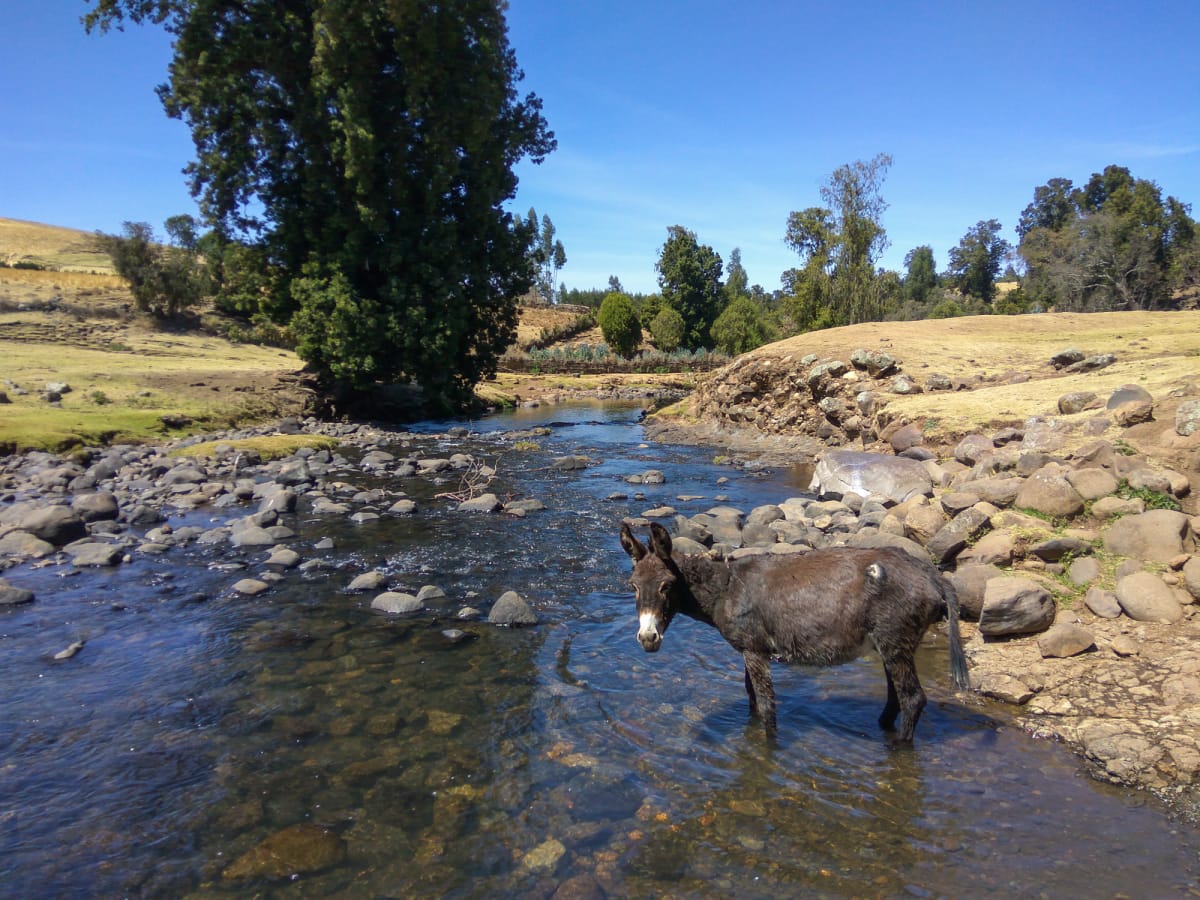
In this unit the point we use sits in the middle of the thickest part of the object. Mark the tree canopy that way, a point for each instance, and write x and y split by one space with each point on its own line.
689 274
976 261
368 149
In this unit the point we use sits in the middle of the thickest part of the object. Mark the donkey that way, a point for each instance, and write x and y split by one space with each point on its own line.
818 608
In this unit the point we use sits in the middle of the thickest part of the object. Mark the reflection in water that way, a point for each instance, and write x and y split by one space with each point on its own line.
510 761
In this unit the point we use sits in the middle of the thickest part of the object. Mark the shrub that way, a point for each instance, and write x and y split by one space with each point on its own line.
164 280
619 324
741 327
667 328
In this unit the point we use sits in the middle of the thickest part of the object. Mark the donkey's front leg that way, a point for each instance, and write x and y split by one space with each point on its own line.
760 689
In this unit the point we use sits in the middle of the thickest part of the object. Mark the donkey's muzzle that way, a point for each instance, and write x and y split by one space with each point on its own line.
649 635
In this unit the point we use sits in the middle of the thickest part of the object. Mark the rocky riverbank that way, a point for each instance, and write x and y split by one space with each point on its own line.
1071 536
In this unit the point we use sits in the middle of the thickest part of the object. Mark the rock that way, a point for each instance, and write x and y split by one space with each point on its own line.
511 609
22 544
998 491
906 437
250 587
877 363
404 507
527 505
1092 484
1156 536
70 650
1124 645
57 525
1084 570
293 851
396 603
1092 363
1065 640
1005 688
11 595
973 448
1187 418
90 554
904 386
1048 492
544 857
570 463
368 581
484 503
970 583
100 506
1103 603
1128 393
251 536
996 548
956 533
1064 358
1191 577
921 523
294 472
1114 507
1015 605
1145 597
1134 413
1058 548
1075 402
285 557
851 471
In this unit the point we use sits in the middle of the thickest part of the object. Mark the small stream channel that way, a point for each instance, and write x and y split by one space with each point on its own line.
511 762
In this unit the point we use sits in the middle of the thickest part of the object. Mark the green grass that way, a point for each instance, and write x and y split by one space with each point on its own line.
274 446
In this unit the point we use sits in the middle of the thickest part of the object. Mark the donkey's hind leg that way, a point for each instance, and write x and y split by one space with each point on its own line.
887 718
760 689
904 690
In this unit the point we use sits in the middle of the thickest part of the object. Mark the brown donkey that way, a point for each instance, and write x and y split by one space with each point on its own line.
816 609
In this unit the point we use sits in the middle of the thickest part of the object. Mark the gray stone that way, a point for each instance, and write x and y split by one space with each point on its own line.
1101 602
396 603
890 477
1134 413
1092 484
430 593
285 557
1075 402
1187 418
1005 688
11 595
90 554
1065 639
1015 605
1084 570
970 583
57 525
1047 491
22 544
570 463
1092 363
1147 598
250 587
251 536
1128 393
904 386
973 448
1057 548
528 505
100 506
1114 507
368 581
955 534
1066 357
1191 577
403 507
906 437
997 491
877 363
484 503
996 548
1159 535
511 609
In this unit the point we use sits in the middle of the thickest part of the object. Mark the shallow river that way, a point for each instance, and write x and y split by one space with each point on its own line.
511 762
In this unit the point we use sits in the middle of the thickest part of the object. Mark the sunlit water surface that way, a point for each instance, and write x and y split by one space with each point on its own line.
188 730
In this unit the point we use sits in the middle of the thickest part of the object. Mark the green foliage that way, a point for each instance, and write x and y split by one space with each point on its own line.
975 262
922 274
649 309
1153 499
619 324
742 326
689 274
546 255
667 330
377 141
164 280
1012 303
737 282
1114 243
839 244
947 308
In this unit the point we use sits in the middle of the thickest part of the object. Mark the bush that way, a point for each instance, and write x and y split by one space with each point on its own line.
667 329
164 280
946 309
619 324
741 327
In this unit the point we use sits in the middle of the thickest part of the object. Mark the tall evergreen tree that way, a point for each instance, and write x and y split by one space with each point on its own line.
689 274
369 149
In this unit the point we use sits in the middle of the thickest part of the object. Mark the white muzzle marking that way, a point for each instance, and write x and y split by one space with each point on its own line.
649 635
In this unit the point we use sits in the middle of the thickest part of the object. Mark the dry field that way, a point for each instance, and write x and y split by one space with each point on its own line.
61 249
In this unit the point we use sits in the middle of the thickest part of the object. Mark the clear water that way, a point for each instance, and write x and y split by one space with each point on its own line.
187 732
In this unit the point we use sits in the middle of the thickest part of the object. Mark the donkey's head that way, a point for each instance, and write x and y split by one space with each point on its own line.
657 584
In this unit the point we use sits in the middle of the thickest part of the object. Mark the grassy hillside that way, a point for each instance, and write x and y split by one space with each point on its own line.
51 247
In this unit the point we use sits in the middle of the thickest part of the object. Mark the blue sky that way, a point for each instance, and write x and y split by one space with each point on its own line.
720 117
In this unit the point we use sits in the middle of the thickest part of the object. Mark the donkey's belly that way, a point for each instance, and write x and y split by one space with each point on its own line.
823 653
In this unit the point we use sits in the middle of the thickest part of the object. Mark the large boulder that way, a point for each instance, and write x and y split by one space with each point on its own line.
511 609
1015 605
1159 535
1147 598
57 525
1049 492
852 471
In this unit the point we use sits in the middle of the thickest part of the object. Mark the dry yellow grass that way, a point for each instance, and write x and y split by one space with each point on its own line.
62 249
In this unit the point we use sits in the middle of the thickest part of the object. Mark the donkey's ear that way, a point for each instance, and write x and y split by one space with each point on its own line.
632 545
660 541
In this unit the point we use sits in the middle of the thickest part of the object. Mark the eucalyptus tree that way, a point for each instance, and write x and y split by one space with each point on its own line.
369 149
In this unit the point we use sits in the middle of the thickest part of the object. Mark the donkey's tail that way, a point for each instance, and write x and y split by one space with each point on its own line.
958 659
